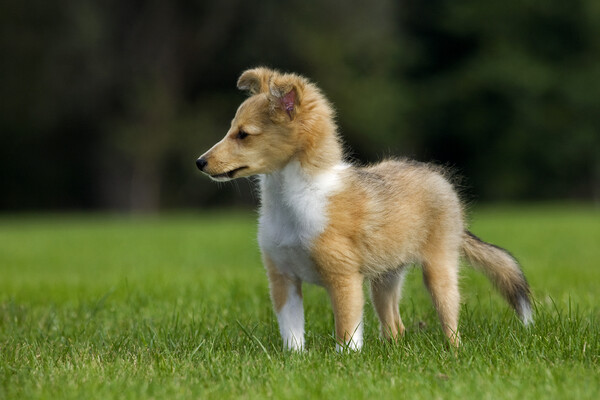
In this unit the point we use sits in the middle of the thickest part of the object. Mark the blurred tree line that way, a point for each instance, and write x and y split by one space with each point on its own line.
107 104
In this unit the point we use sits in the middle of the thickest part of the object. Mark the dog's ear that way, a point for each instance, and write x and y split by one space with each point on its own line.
286 93
255 80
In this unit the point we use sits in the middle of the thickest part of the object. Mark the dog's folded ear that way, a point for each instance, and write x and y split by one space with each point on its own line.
286 93
255 80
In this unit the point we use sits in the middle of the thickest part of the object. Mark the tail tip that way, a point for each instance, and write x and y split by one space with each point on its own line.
525 312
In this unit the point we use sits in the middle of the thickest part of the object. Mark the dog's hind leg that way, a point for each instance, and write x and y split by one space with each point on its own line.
440 274
385 293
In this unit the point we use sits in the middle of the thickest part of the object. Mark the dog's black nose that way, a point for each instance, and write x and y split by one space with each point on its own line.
201 163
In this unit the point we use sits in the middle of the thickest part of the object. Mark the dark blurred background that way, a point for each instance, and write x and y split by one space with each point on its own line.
107 104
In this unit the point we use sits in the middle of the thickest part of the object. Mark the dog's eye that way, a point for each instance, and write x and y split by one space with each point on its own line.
241 135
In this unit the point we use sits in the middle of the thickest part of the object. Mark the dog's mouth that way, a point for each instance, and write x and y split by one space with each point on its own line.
225 176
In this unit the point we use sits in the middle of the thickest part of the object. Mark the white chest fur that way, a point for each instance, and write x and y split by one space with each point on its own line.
292 214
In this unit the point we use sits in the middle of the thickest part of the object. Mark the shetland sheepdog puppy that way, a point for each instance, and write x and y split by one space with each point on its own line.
334 224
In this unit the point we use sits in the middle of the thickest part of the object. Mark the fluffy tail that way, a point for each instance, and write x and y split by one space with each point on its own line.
503 270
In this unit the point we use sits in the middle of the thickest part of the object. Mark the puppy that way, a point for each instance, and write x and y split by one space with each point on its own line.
330 223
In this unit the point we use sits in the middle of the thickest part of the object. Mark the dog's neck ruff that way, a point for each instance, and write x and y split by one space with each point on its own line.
299 200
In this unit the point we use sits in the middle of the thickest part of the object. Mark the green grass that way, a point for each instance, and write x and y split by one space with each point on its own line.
174 307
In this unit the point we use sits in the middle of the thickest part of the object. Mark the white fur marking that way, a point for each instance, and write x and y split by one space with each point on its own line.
293 213
291 321
220 178
526 314
356 341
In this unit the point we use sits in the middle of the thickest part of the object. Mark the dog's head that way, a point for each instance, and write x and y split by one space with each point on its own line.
265 132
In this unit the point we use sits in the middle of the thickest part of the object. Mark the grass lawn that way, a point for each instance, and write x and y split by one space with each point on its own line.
177 306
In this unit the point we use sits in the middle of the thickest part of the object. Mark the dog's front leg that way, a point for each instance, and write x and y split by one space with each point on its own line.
347 301
286 295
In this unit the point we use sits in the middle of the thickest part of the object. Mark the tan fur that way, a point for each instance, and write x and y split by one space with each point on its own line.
385 294
390 215
381 218
279 284
277 137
